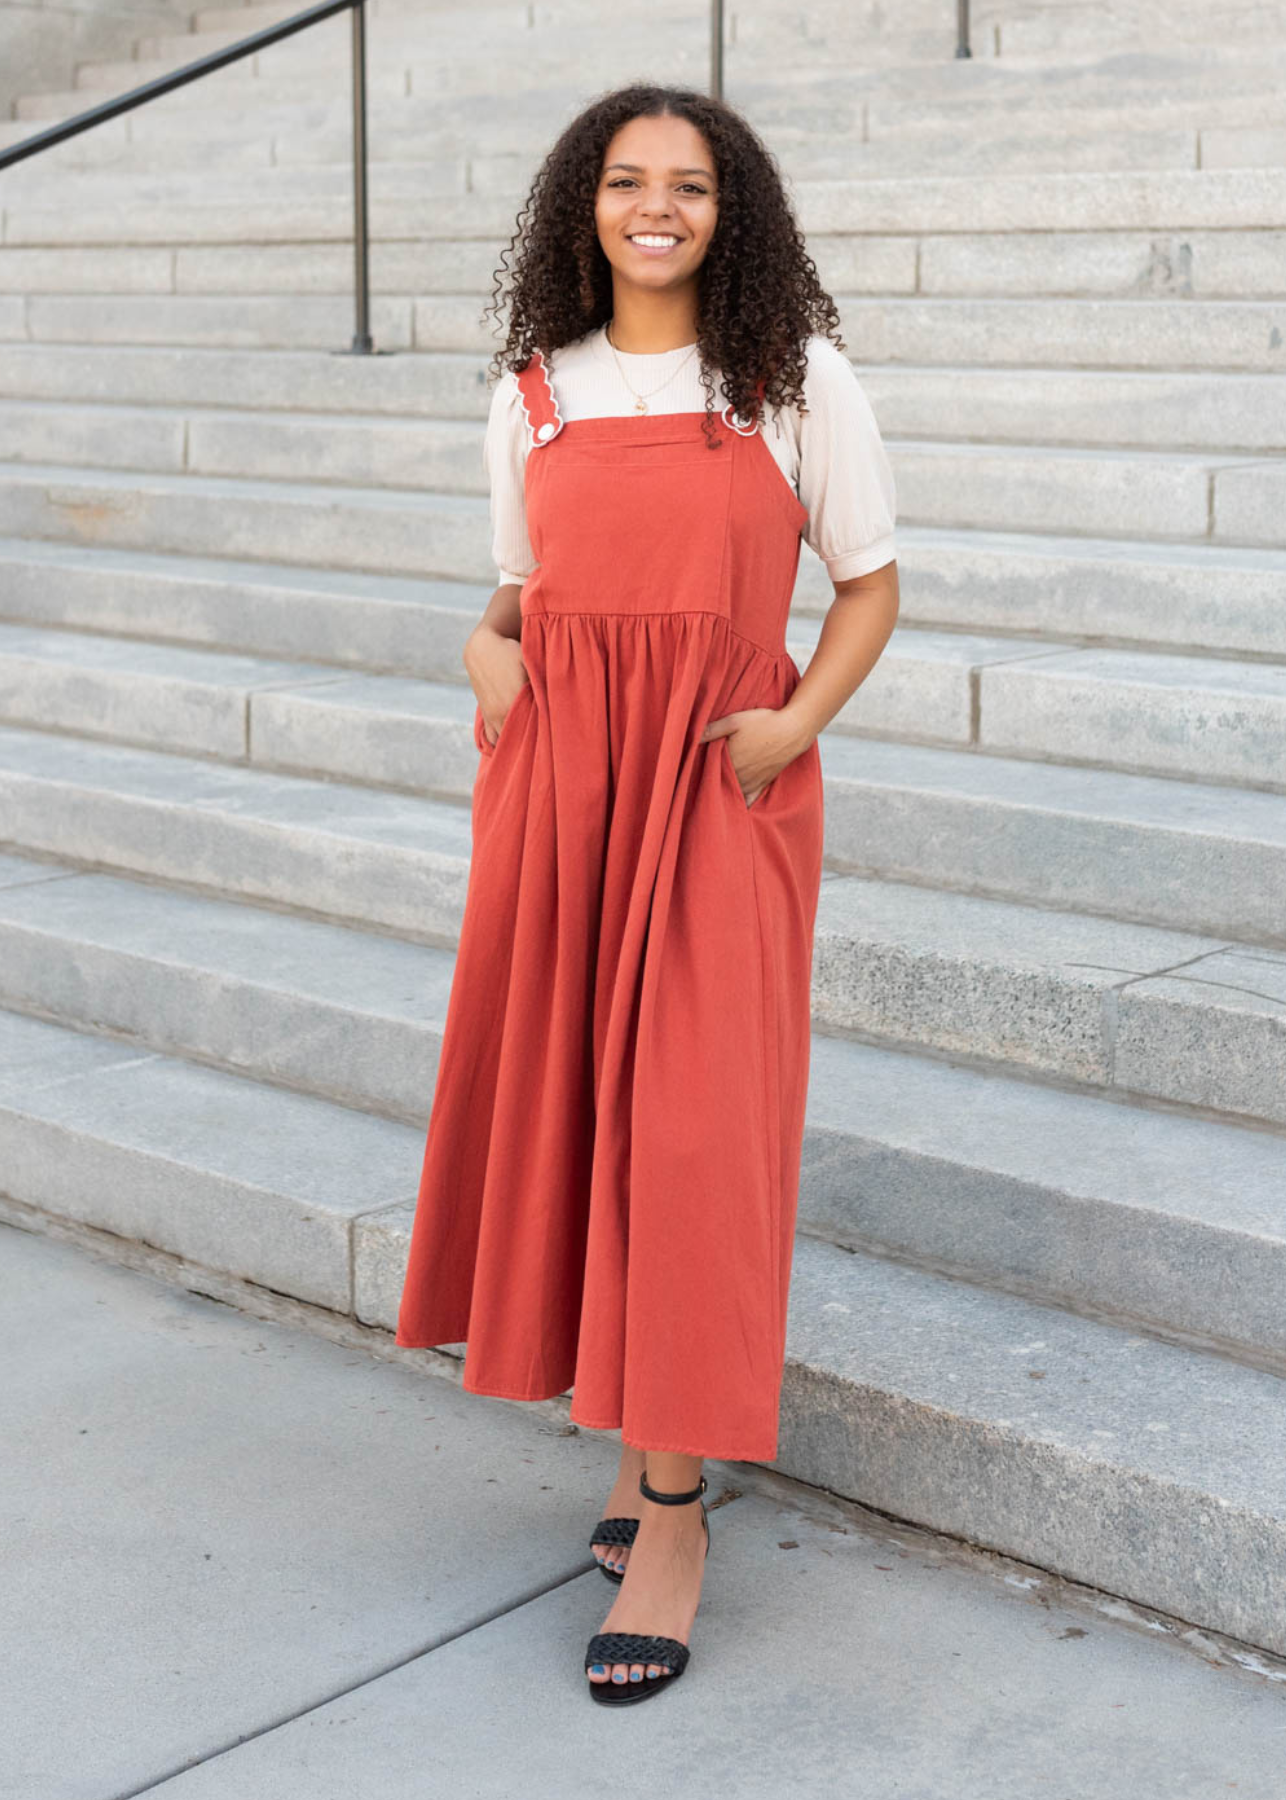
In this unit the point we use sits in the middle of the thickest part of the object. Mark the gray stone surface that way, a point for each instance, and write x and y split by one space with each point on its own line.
1113 1208
1143 409
1135 1465
234 1175
373 622
1017 985
175 698
1211 1034
388 730
1183 854
1120 591
353 1016
1215 720
384 859
211 1584
394 531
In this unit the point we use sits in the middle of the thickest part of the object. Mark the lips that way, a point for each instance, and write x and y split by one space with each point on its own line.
671 242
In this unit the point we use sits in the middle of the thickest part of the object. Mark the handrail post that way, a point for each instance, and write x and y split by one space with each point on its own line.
716 49
362 344
962 28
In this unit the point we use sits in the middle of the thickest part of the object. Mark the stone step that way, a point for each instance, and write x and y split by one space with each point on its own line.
382 530
528 35
1091 29
234 1175
1121 1007
434 384
1094 200
774 77
800 106
1069 332
1204 719
401 625
1147 1469
395 148
1109 409
609 51
1099 408
1018 487
936 1168
1069 591
1235 265
1154 128
311 1200
405 531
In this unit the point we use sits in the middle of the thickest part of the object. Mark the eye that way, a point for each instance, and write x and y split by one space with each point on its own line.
692 186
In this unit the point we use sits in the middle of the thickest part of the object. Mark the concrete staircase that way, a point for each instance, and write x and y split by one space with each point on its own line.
1040 1284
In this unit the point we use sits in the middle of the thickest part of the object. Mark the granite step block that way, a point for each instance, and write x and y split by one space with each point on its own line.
231 1174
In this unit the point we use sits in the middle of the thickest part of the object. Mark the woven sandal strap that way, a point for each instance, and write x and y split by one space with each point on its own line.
631 1647
651 1493
614 1531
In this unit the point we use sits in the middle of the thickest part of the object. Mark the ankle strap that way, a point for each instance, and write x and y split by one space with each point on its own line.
651 1493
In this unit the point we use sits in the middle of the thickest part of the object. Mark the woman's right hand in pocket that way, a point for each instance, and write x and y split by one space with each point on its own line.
496 673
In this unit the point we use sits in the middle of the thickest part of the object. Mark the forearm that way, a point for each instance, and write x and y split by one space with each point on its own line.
857 626
501 615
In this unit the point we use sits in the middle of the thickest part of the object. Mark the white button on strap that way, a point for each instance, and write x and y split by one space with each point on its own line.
546 431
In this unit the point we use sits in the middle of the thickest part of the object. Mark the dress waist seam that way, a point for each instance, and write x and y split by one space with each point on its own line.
660 612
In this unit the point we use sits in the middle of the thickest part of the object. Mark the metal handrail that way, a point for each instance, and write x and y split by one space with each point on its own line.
716 49
164 84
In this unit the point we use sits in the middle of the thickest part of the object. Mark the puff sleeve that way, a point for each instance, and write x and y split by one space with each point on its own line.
505 455
845 479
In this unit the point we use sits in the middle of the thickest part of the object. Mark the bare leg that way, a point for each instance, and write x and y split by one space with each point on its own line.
662 1587
623 1502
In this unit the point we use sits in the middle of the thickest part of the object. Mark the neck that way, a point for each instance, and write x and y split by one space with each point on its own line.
645 323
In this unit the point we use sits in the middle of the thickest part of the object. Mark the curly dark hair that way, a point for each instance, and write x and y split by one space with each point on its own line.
759 298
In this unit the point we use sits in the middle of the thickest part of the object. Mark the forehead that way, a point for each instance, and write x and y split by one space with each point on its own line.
673 146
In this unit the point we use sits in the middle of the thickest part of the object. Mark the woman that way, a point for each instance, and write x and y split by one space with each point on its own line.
610 1179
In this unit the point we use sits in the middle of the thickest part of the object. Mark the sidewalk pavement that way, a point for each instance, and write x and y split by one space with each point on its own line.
242 1561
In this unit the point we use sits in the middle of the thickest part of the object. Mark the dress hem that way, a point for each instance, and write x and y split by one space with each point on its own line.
494 1393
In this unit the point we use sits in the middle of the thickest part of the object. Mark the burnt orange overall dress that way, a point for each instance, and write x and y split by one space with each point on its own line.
610 1179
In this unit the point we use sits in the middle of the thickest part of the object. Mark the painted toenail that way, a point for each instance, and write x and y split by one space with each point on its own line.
620 1676
637 1677
597 1669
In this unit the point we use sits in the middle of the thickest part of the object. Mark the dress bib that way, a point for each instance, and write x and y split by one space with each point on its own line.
611 1174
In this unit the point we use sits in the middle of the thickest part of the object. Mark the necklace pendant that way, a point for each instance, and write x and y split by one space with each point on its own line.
640 405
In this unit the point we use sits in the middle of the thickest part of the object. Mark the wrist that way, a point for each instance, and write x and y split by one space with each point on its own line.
800 729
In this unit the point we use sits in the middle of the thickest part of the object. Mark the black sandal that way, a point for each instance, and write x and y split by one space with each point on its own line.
614 1531
608 1647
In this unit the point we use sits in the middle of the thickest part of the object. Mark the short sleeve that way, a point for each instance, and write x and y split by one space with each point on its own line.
505 455
845 479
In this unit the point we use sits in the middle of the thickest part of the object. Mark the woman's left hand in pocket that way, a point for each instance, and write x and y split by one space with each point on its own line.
762 740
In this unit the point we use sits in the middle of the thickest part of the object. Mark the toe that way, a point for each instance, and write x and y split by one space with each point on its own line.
636 1671
620 1672
653 1670
598 1672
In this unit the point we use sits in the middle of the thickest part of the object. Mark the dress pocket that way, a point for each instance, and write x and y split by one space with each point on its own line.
479 731
748 805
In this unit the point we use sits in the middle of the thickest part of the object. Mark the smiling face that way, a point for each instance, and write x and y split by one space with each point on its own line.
657 202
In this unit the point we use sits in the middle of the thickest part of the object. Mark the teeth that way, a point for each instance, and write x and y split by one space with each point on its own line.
660 243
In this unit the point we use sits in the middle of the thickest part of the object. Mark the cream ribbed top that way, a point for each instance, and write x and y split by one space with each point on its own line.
832 456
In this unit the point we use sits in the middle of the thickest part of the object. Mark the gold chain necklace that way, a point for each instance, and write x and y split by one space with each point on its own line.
641 400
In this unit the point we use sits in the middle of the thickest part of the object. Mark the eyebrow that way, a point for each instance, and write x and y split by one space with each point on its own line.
635 169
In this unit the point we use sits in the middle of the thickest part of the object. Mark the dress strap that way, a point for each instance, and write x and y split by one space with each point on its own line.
539 402
746 425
